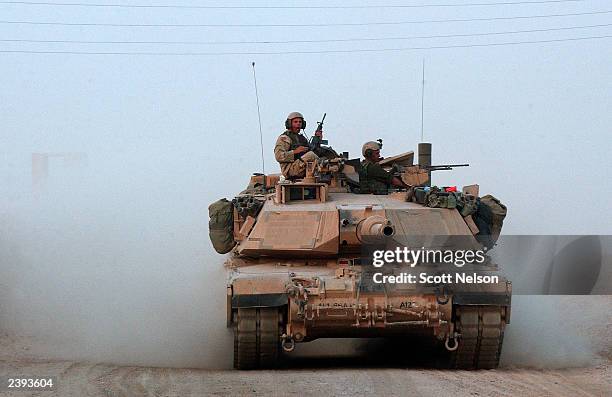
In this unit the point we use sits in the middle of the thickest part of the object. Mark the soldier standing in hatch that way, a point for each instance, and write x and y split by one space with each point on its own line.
291 149
372 177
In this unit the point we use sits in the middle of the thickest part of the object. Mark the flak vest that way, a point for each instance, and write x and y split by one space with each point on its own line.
368 184
297 140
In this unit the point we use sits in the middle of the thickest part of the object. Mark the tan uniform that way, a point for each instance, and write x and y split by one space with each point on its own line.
283 152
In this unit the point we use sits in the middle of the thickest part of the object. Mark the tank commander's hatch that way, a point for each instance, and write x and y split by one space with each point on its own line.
406 159
301 192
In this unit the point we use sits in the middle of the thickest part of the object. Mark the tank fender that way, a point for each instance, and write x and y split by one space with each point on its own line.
482 299
260 300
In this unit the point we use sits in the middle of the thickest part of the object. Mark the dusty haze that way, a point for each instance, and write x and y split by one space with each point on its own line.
115 266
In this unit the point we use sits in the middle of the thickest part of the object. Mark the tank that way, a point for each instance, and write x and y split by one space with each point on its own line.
300 266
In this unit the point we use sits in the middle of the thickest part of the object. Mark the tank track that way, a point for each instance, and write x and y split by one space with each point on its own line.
482 335
257 338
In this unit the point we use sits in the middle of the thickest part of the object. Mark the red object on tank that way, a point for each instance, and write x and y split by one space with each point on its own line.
450 189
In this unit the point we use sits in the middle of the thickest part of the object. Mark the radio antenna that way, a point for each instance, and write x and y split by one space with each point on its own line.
263 164
422 99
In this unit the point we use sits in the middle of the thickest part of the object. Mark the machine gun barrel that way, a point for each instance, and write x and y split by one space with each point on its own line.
443 167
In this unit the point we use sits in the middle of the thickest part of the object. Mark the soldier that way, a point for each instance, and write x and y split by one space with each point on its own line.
372 177
291 149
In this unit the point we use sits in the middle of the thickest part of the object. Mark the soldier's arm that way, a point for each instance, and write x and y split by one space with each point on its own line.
375 171
384 176
398 182
281 150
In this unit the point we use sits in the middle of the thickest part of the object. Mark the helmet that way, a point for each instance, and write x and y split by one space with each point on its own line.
294 115
371 146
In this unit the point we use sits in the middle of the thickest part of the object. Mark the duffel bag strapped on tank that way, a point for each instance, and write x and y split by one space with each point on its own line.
221 225
435 197
432 197
438 199
489 218
420 195
467 204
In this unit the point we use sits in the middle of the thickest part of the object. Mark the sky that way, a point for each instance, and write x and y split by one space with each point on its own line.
167 129
532 120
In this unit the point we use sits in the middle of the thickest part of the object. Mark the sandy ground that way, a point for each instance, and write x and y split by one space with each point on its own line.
85 379
532 365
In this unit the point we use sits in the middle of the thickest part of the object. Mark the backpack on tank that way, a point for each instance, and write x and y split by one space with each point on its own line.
221 225
489 219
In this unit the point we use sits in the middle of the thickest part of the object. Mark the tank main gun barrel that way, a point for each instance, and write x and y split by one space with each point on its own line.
374 229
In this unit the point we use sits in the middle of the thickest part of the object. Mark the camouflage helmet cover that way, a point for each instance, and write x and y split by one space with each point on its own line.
371 145
294 115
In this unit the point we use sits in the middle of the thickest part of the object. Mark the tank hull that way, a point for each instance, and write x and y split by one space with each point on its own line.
334 299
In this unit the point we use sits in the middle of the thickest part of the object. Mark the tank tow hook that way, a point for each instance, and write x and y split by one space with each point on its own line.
455 342
442 295
298 292
288 343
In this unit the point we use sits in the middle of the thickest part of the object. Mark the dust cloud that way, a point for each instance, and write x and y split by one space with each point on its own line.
561 301
558 331
116 267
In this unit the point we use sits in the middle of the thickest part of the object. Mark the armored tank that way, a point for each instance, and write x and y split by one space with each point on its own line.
301 266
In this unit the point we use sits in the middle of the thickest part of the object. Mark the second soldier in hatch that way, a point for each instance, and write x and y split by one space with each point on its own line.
292 150
372 177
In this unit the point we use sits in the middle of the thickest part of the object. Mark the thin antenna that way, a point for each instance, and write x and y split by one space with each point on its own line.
263 164
422 99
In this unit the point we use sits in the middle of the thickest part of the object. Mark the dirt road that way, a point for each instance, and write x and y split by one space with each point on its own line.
84 379
350 369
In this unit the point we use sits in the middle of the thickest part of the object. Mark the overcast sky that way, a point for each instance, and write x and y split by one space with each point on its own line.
533 120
